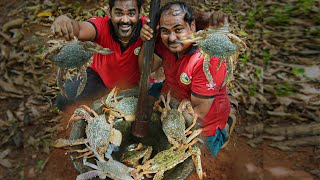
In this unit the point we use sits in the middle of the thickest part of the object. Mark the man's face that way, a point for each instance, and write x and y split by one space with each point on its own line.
124 17
173 28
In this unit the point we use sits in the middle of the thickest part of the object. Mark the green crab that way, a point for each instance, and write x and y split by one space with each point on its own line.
73 54
221 44
168 159
173 122
124 108
99 132
135 153
112 169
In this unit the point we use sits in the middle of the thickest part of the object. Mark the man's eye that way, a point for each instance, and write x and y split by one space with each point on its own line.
132 14
163 31
118 14
178 30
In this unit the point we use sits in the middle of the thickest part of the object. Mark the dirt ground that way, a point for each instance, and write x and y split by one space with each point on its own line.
237 161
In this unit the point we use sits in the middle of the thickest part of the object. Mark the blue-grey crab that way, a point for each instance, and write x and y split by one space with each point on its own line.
124 108
111 168
73 54
99 132
173 122
221 44
168 159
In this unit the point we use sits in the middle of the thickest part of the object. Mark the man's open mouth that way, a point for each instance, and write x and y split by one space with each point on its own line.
125 27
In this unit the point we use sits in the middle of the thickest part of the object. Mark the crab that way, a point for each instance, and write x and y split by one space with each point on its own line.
168 159
112 169
124 108
221 44
100 133
135 153
173 122
73 54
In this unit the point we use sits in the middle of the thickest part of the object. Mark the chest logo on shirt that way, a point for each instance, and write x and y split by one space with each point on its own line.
136 51
185 79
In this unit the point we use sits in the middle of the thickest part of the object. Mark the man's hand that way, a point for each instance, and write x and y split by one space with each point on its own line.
217 19
146 32
65 27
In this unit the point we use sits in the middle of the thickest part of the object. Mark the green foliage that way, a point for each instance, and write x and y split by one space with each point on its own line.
245 58
252 89
285 89
39 164
298 71
259 73
266 56
306 5
278 15
100 12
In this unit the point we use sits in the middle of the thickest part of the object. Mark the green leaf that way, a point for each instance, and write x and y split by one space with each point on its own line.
298 71
252 89
285 89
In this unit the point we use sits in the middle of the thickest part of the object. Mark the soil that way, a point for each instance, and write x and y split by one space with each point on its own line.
237 161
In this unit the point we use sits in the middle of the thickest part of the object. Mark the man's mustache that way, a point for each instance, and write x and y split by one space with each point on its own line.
174 42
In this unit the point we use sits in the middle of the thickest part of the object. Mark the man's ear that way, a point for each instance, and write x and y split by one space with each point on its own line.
109 12
193 26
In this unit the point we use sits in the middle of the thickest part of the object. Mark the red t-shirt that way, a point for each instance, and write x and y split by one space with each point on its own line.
120 68
185 77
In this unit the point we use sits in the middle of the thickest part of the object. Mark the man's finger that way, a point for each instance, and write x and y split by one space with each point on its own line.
70 30
57 31
65 32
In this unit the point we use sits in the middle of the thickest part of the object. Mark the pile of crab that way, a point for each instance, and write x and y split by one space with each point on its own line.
107 123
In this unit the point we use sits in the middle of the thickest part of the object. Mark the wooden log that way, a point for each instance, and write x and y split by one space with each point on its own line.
296 130
304 141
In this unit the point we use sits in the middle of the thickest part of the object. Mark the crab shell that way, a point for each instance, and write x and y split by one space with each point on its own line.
99 132
173 125
70 55
127 106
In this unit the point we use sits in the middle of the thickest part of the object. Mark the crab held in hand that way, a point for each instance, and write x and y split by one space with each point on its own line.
73 54
124 108
173 122
99 132
168 159
218 43
112 169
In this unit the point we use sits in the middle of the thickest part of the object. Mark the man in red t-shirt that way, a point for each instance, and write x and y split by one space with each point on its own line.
120 32
183 68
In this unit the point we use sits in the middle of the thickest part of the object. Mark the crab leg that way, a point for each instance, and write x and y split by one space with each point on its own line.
83 80
230 67
143 173
73 119
194 121
206 70
79 150
196 153
158 175
89 110
60 82
69 142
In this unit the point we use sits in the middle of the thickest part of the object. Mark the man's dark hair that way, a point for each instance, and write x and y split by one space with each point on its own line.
139 3
186 9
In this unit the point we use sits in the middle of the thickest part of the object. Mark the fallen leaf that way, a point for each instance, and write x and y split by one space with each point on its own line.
44 14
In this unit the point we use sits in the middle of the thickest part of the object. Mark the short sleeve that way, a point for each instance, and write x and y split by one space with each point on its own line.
100 24
201 86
